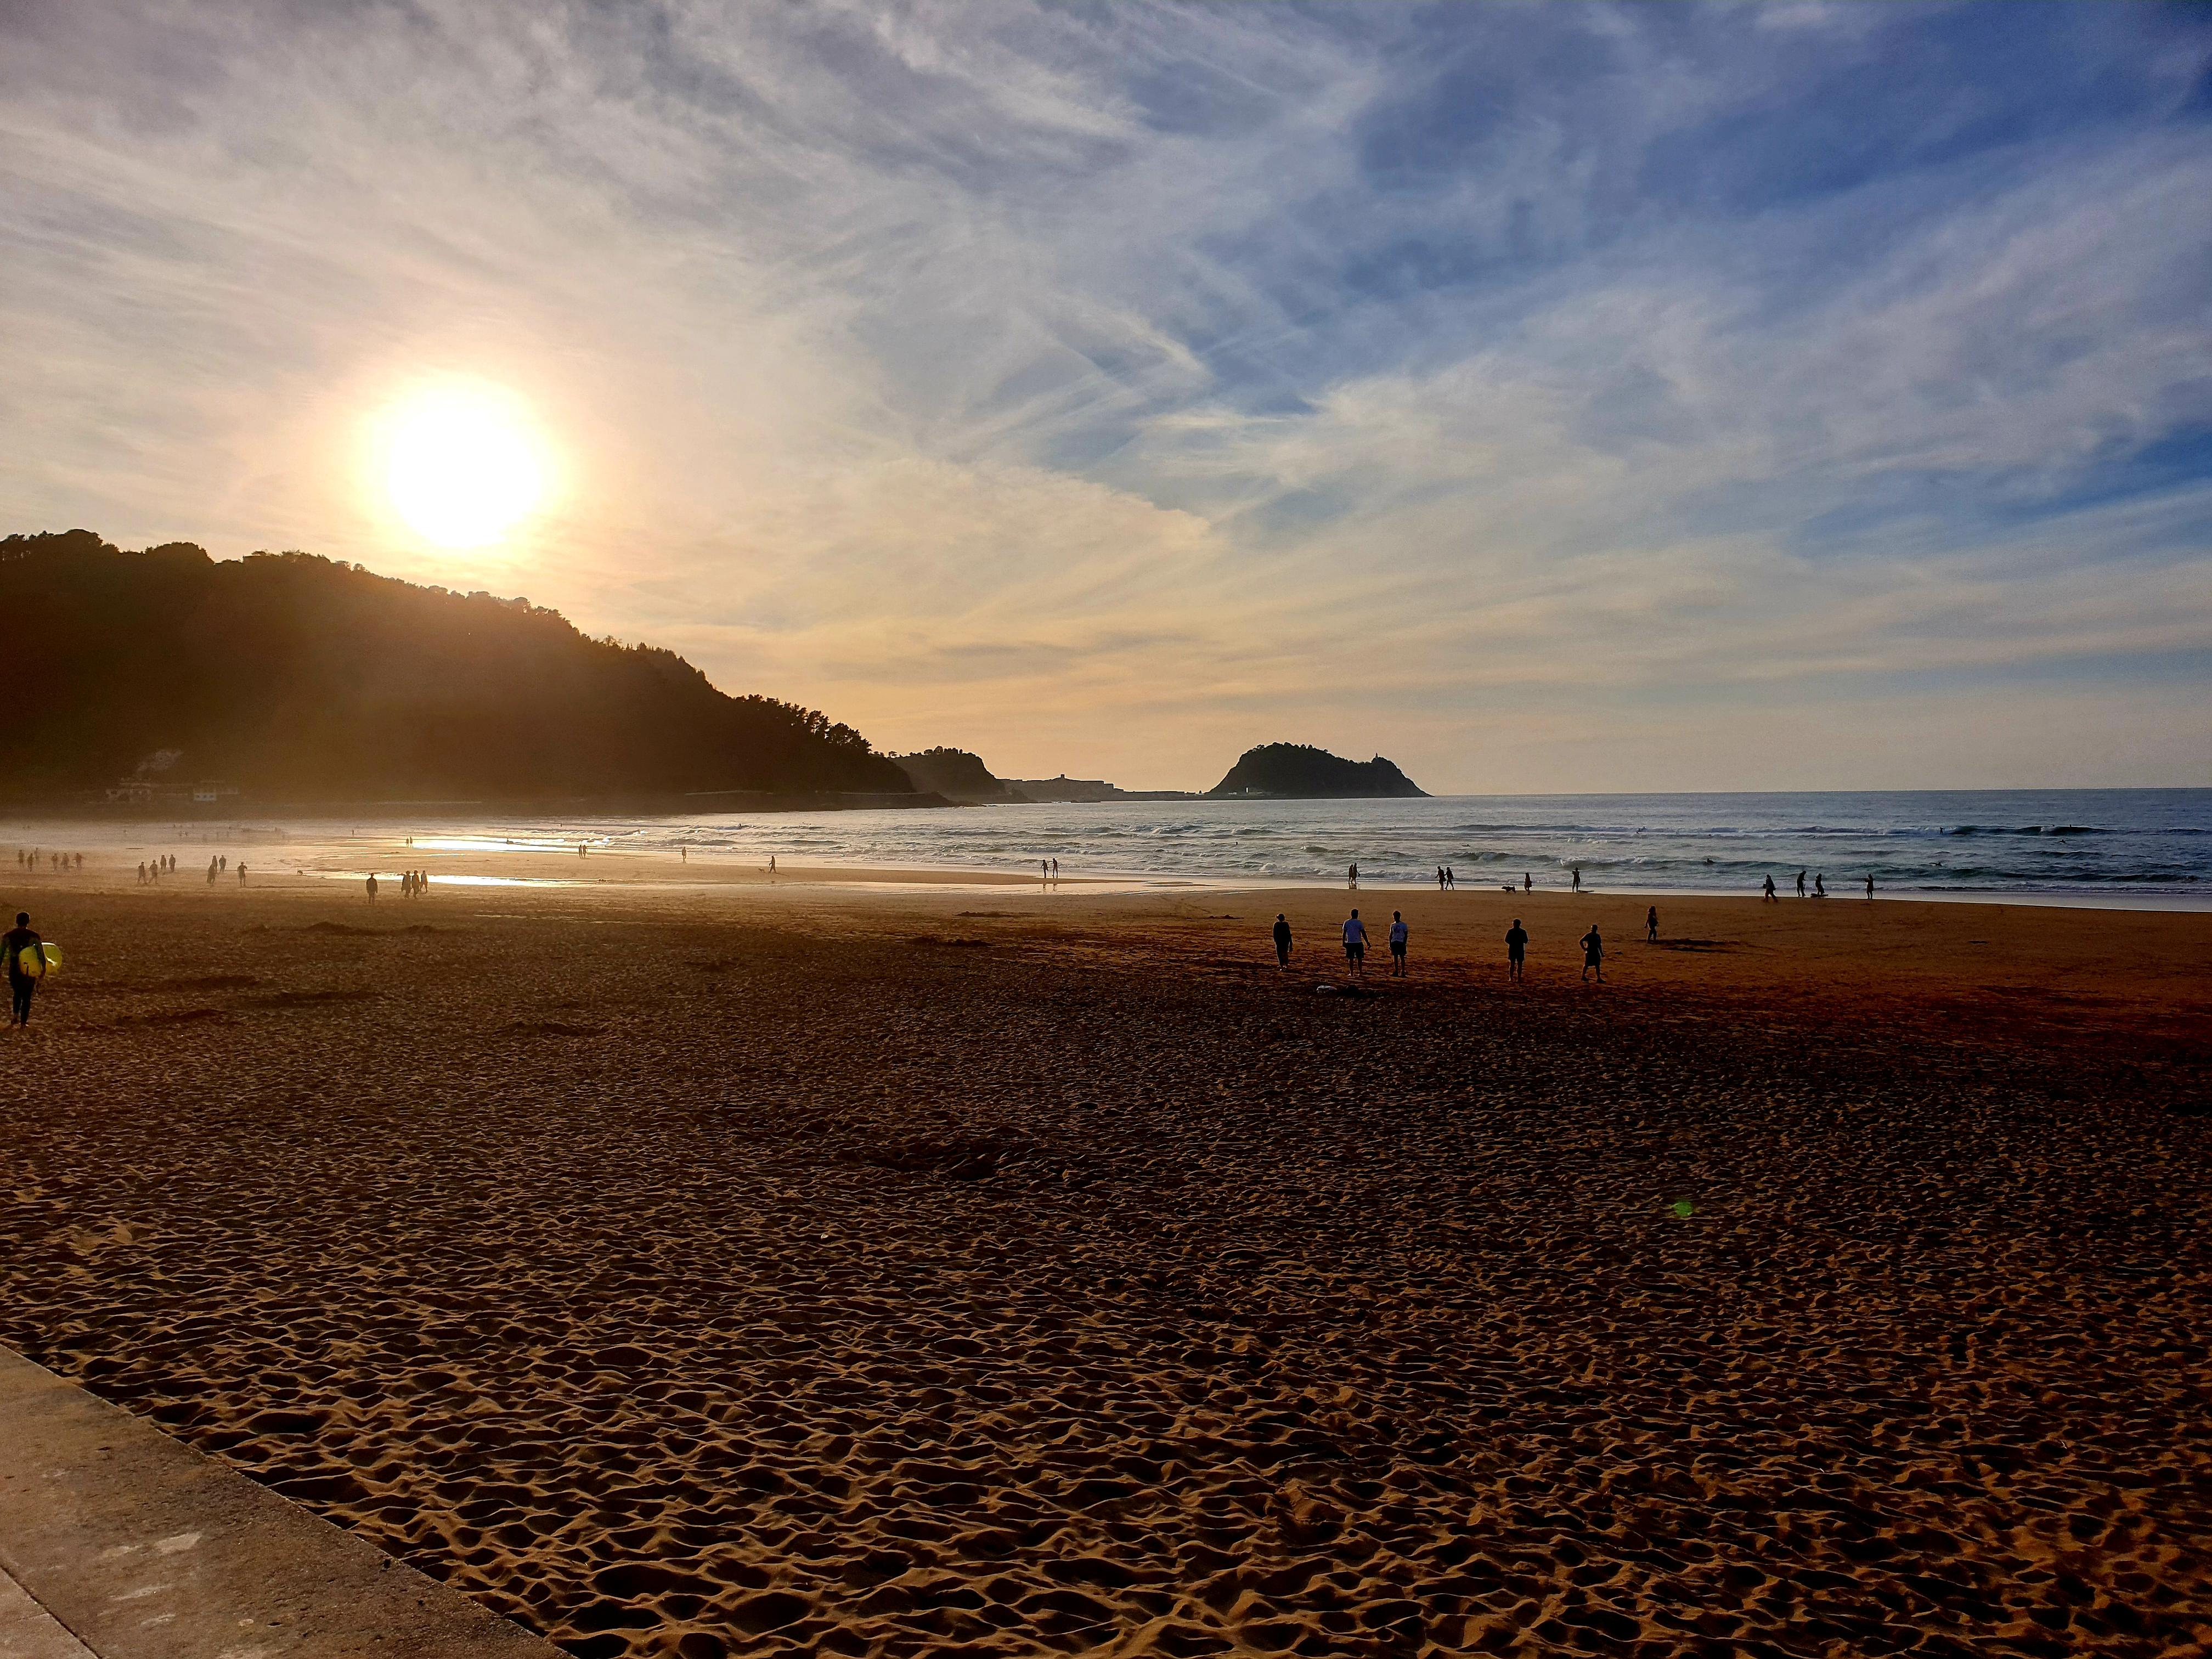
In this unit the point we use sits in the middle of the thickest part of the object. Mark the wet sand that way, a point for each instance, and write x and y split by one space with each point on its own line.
691 1267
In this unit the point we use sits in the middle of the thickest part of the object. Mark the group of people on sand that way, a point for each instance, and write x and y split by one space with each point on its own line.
1767 894
220 864
155 868
1400 936
56 862
413 884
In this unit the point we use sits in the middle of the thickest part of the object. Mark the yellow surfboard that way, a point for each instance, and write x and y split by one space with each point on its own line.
29 957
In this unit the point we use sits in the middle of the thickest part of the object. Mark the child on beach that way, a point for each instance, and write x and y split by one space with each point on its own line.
1398 937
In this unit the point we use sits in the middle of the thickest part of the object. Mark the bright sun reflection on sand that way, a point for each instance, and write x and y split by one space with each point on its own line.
460 468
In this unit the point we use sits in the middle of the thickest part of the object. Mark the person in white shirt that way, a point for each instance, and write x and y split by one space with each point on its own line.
1398 936
1355 945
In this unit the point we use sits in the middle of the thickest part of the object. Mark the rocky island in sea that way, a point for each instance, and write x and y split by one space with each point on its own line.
1297 771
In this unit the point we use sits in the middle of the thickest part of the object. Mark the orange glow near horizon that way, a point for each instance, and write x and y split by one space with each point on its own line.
460 467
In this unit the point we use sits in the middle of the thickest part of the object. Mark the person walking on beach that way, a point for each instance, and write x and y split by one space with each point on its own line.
1801 884
1451 878
1593 955
1398 938
241 875
1516 949
21 980
1869 884
1820 885
1770 898
1055 871
1282 943
1651 925
1528 884
372 887
771 863
1355 945
1440 878
1352 879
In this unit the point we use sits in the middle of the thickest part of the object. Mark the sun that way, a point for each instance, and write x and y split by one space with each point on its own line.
461 471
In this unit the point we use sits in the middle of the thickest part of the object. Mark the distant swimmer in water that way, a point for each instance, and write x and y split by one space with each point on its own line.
1651 925
1593 954
1770 898
1398 938
1282 942
1516 949
1355 945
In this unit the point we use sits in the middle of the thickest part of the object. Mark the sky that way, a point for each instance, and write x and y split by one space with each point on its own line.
1549 397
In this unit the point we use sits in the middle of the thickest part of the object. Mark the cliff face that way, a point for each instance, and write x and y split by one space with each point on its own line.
1296 772
299 677
955 774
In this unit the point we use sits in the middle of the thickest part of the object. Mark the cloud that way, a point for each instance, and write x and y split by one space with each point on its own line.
1111 388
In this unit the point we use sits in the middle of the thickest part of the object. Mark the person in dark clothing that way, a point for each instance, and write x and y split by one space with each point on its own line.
20 981
1593 954
1651 925
1516 949
1282 942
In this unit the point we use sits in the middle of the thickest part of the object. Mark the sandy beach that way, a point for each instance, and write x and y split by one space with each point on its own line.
684 1263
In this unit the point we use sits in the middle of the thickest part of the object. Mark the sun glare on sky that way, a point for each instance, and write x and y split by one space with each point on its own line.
461 469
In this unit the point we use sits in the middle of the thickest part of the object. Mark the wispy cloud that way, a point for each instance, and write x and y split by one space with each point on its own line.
1109 388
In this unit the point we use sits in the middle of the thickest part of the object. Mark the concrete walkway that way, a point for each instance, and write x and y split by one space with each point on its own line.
116 1542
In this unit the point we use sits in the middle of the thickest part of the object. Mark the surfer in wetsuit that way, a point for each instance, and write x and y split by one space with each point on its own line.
20 981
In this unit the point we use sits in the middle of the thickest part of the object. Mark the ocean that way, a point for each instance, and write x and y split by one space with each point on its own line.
2150 847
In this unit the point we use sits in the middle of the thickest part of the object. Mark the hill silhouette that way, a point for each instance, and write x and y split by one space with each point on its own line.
301 678
1297 771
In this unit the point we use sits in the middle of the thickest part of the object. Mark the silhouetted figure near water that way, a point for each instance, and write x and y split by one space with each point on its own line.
1355 945
1579 877
1651 925
1869 884
1516 949
1593 955
1352 880
1820 885
1282 942
372 887
1528 884
241 875
1398 939
1770 898
1440 878
22 982
1801 884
